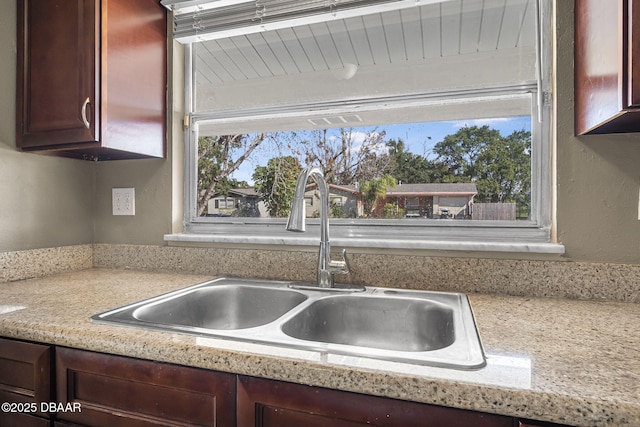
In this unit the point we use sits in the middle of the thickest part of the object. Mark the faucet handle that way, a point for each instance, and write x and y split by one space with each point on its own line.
340 266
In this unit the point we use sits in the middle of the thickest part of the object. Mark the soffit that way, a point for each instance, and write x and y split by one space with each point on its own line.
451 28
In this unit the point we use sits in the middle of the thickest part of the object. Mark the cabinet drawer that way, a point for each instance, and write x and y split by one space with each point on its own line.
114 390
25 378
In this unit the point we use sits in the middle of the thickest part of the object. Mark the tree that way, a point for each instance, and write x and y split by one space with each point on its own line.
506 175
499 166
410 168
216 163
461 150
345 156
276 182
373 192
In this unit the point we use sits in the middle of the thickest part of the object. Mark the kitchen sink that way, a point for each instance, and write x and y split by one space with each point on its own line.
220 307
419 327
402 324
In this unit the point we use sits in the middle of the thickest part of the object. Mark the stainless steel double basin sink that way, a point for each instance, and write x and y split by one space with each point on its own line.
419 327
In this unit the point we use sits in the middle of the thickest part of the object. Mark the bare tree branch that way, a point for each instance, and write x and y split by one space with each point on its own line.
228 166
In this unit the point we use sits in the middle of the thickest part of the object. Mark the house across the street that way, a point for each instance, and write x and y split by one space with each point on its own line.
416 200
433 200
245 202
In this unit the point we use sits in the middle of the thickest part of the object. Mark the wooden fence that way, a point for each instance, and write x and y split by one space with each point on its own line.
494 211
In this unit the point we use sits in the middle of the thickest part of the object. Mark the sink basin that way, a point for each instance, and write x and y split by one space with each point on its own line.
402 324
419 327
221 307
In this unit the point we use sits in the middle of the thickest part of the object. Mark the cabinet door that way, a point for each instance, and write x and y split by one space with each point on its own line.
267 403
57 91
114 390
92 78
23 420
133 78
25 380
633 51
607 66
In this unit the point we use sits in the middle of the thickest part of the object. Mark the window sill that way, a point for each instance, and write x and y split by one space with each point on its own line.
520 241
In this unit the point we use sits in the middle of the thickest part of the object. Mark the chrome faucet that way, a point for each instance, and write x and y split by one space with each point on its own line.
326 267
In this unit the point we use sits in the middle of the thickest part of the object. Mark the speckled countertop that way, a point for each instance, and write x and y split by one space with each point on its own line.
565 361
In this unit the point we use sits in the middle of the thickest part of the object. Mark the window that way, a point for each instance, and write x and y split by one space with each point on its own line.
225 203
443 105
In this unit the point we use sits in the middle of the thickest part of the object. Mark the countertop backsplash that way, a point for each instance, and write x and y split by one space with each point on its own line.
19 265
534 278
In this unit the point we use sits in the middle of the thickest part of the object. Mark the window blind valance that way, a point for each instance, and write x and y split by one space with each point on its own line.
200 20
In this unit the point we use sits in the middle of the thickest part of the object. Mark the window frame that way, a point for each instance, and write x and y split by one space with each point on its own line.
532 235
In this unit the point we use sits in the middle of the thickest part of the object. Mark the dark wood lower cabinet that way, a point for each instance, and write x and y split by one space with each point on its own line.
25 381
268 403
120 391
91 389
528 423
23 420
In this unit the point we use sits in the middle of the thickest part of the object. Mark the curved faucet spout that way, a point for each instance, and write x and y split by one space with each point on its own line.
296 222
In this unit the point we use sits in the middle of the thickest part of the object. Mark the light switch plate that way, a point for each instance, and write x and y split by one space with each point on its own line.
123 201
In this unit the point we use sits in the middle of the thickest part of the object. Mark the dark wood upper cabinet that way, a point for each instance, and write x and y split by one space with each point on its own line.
607 66
91 78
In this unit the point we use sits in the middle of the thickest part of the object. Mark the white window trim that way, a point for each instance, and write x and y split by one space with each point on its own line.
533 236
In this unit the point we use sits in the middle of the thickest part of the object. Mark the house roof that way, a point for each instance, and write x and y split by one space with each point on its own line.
346 188
241 192
432 189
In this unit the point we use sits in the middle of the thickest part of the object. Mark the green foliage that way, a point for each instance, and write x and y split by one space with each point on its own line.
410 168
374 191
336 211
210 159
218 158
276 182
499 166
391 211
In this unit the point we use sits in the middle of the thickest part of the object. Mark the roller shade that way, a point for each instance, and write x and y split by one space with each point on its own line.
200 20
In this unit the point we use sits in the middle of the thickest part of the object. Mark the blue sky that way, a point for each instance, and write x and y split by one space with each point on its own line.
419 138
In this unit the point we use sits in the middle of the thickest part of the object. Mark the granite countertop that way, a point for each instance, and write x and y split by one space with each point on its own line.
565 361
